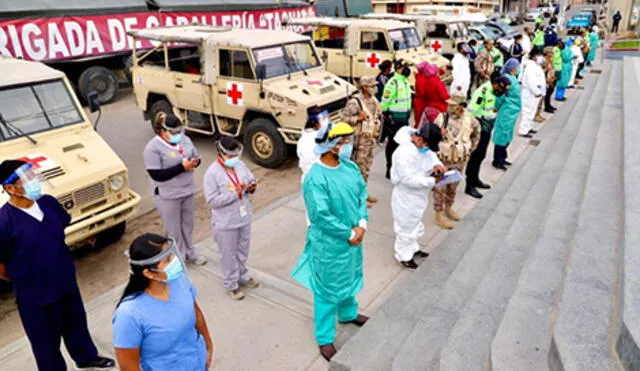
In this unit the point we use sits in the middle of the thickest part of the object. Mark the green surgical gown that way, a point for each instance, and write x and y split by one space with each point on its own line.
508 106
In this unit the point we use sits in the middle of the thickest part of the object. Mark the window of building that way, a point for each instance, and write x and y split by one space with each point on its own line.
235 63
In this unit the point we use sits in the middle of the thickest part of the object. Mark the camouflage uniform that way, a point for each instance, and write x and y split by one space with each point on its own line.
463 135
367 132
484 64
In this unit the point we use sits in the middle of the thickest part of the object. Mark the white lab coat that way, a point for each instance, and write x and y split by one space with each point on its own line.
526 45
577 52
410 197
461 75
534 86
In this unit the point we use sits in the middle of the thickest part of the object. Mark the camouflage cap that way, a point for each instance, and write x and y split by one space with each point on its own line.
368 81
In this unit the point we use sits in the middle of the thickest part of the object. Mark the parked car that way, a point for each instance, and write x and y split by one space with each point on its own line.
533 14
578 21
501 33
481 33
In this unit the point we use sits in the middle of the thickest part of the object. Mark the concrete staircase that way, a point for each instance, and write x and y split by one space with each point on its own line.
544 273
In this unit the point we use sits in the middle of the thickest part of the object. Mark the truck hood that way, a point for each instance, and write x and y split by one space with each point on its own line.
69 158
318 87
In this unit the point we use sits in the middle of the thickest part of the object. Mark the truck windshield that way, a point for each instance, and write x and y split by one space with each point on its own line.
406 38
283 59
36 108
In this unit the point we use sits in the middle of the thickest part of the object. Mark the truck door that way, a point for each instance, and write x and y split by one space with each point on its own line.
373 49
236 88
191 92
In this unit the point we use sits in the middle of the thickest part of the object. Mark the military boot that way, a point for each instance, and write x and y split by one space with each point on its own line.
442 221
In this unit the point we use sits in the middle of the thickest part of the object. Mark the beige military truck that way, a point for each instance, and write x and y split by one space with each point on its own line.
257 84
42 123
440 34
352 47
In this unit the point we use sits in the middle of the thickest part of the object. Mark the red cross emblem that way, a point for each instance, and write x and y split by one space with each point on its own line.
314 82
436 46
373 60
34 161
234 94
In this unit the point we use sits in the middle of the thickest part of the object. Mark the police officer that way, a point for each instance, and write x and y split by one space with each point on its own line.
35 258
170 158
482 107
396 107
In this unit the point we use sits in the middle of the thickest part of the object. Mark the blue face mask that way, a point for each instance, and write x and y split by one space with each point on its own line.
346 151
32 189
175 139
173 270
423 149
232 162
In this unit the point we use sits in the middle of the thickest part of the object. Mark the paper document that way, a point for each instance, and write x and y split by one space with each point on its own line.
451 176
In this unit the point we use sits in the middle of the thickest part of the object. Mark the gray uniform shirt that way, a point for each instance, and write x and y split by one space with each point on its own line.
159 155
228 211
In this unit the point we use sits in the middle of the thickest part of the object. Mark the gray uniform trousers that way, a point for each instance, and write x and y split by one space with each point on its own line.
234 247
178 216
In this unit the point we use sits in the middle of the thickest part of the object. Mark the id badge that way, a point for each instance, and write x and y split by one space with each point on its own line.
243 211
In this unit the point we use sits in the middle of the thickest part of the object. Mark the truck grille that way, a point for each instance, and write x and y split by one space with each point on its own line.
89 194
53 172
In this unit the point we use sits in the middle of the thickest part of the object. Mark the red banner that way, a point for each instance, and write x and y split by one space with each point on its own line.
56 38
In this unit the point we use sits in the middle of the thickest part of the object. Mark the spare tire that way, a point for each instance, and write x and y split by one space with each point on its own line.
101 80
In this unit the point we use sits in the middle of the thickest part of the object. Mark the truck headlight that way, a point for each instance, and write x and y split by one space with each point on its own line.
116 182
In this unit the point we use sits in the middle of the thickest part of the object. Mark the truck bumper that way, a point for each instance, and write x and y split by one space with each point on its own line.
105 219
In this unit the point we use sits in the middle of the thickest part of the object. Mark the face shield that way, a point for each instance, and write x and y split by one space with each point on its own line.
173 270
30 179
231 157
322 118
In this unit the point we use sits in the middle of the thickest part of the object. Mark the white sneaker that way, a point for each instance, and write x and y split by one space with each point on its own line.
198 260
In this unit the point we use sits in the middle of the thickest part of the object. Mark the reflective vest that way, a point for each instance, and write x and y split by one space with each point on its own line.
557 59
538 39
397 97
482 105
498 58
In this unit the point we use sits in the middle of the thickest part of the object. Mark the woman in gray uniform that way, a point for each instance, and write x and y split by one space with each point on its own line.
170 158
228 184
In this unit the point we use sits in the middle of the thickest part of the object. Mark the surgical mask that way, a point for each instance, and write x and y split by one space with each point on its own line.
346 151
173 270
175 139
232 162
539 60
32 189
423 150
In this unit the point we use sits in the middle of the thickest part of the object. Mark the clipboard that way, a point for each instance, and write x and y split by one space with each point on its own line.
451 176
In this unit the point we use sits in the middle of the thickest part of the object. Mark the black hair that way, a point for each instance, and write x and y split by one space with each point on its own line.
518 36
8 167
385 65
172 122
535 52
461 46
312 122
229 143
144 247
473 42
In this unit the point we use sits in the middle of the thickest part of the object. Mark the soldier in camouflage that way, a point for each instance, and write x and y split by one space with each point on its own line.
364 114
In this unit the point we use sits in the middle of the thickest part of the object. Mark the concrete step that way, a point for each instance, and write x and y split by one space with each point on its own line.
467 346
443 303
375 345
628 345
523 339
586 317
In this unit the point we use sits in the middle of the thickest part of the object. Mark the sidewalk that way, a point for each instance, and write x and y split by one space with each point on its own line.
273 327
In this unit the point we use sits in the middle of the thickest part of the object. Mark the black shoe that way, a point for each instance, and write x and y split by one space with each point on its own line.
420 254
499 166
410 264
533 131
526 135
472 191
99 363
328 351
359 321
388 174
561 99
481 185
507 163
550 110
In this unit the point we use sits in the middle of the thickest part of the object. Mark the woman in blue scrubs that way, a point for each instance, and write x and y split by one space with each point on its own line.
35 258
158 324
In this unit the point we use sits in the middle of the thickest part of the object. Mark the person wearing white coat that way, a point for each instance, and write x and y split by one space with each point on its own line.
578 59
413 163
461 73
534 87
307 143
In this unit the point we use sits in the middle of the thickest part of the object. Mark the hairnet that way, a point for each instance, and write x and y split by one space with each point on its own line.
594 28
428 69
8 171
510 65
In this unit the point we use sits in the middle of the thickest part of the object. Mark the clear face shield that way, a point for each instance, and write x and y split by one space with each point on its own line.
174 269
231 158
31 181
322 117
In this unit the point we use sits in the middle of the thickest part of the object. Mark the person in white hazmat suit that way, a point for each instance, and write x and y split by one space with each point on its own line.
416 169
578 59
461 73
534 87
307 144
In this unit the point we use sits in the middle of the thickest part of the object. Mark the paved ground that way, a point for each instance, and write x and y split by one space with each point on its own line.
272 328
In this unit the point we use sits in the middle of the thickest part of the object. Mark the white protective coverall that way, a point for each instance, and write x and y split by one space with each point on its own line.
461 76
306 155
534 87
578 58
410 197
526 46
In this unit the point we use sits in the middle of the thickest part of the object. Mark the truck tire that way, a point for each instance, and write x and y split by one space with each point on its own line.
101 80
265 144
158 106
111 235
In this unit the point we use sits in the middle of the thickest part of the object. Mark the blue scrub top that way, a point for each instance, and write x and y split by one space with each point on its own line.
164 331
37 259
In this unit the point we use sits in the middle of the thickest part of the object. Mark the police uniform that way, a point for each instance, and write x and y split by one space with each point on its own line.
482 107
396 104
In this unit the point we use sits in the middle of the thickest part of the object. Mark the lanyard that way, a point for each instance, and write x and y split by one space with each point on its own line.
233 177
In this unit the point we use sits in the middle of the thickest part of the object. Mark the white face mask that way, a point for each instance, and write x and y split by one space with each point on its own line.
539 60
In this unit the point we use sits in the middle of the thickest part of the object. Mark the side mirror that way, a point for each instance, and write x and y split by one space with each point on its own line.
324 56
92 101
396 45
261 71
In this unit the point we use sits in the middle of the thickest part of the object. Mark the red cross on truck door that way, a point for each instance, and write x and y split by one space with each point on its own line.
235 94
436 46
373 60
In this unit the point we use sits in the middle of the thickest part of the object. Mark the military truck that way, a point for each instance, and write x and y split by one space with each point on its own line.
42 123
440 34
352 47
257 84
